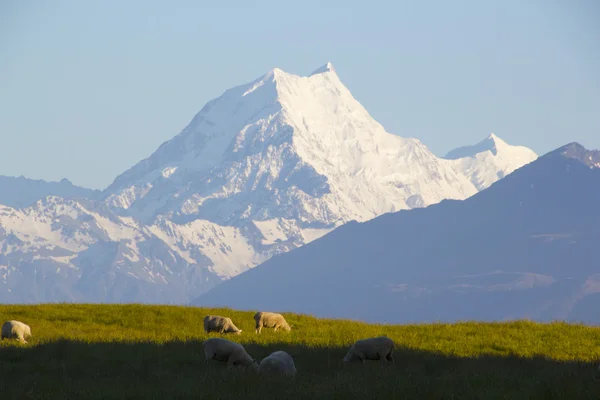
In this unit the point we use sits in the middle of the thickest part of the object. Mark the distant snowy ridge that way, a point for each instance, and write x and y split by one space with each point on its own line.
263 169
490 160
23 192
60 250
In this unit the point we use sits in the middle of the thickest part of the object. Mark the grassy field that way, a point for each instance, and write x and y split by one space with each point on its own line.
155 352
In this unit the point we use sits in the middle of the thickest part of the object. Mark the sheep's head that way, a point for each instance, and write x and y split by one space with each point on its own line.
238 332
349 357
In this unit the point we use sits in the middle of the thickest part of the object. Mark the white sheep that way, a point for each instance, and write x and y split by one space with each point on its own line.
377 348
16 330
232 353
278 362
215 323
270 320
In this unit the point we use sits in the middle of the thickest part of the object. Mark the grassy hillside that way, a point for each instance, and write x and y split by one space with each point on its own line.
146 352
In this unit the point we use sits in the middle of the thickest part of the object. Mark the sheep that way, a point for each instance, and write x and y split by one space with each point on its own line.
214 323
270 320
278 362
232 353
377 348
15 330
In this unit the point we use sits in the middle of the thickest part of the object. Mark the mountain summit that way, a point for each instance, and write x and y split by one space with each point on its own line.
325 68
494 145
490 160
575 151
293 147
263 169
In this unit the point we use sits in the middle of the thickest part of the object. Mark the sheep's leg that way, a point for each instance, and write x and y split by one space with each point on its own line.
390 355
276 328
231 362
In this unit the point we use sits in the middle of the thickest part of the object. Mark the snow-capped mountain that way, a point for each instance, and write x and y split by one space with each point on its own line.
286 146
265 168
64 250
524 248
22 192
490 160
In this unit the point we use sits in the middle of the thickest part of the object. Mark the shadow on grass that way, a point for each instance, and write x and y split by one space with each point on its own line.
77 370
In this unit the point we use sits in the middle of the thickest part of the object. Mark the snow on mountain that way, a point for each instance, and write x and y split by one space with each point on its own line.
297 152
286 146
22 192
524 248
261 170
63 250
490 160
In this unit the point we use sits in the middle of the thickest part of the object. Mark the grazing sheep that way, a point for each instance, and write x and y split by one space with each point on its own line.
214 323
232 353
270 320
278 362
377 348
15 330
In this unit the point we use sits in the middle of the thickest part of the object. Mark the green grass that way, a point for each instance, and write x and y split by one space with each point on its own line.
148 352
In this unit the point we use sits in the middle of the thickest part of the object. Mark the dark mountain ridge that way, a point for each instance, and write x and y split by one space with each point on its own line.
527 247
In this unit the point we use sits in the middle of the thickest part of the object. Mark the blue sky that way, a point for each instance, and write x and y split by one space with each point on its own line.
88 89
